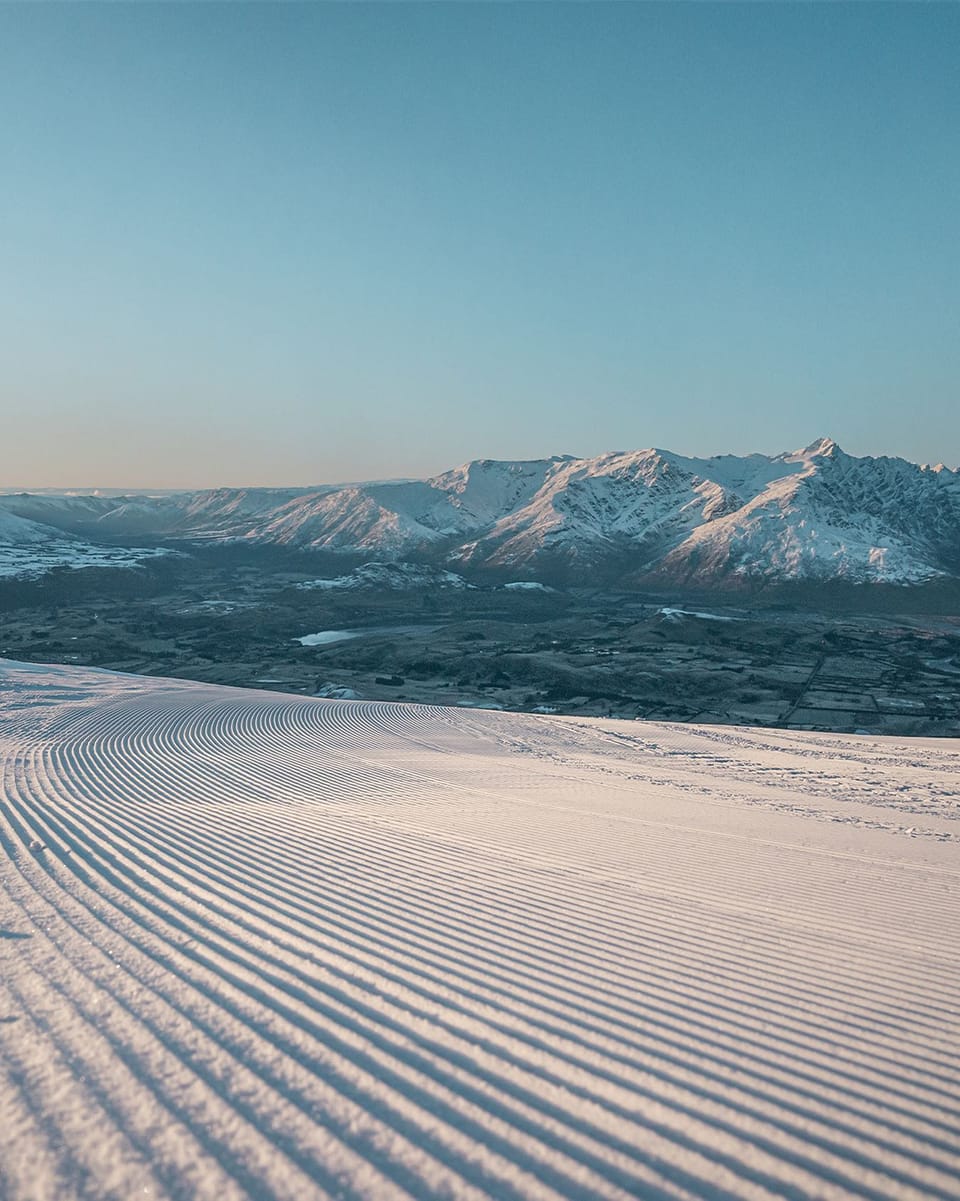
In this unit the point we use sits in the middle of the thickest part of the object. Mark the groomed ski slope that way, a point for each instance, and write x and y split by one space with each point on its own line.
260 946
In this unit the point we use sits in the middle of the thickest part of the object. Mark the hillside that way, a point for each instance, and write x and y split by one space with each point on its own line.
256 946
29 549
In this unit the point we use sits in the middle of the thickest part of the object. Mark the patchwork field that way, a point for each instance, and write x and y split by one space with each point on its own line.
868 661
255 945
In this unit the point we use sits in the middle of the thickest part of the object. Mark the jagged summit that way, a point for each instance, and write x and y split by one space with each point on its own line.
819 448
816 513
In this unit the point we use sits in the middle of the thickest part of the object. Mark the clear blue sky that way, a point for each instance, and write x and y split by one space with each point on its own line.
296 243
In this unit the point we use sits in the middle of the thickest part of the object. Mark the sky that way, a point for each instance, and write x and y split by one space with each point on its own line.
300 243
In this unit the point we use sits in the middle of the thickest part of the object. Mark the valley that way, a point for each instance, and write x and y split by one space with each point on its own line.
819 660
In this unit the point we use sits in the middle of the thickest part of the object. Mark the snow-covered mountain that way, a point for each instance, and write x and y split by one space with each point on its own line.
29 549
813 514
830 515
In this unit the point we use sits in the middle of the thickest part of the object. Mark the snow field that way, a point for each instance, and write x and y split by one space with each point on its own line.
259 946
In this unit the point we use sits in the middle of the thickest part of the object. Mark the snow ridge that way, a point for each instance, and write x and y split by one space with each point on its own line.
811 514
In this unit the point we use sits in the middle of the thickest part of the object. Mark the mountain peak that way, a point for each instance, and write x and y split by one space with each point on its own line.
820 447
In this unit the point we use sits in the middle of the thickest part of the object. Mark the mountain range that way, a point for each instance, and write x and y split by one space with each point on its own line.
814 514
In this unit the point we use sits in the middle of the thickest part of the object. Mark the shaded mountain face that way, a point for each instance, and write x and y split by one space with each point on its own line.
29 549
814 514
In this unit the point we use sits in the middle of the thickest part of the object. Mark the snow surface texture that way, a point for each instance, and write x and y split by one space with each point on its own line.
812 514
260 946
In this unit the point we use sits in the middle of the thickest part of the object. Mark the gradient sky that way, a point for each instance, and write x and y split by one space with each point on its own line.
300 243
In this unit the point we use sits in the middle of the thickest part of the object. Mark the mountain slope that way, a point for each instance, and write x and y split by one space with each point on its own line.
21 531
29 549
258 947
838 517
588 509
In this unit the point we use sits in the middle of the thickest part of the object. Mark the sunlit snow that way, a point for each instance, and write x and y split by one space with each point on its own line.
259 946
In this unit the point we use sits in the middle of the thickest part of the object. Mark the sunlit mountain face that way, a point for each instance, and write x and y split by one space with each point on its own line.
814 514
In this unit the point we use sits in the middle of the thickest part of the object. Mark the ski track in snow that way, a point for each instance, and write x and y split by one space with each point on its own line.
284 948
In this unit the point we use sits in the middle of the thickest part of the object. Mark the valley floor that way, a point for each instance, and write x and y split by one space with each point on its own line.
254 945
